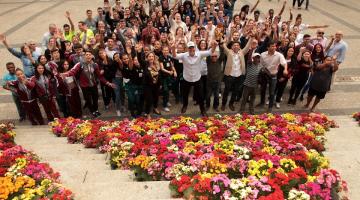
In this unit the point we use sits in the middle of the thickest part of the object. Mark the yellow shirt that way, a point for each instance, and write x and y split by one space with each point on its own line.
89 35
69 36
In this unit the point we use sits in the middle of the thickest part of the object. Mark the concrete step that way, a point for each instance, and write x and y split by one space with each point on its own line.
63 166
124 190
82 176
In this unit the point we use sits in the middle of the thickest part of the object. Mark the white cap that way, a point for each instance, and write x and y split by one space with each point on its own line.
190 44
255 54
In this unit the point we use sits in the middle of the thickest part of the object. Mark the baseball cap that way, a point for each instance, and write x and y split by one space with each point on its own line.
255 54
190 44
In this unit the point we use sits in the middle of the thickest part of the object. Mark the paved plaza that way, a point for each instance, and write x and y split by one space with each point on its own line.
24 20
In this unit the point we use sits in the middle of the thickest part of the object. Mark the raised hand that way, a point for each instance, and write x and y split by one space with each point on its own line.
2 38
67 14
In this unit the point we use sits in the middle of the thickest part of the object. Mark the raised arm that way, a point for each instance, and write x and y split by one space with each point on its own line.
282 8
13 51
254 7
67 15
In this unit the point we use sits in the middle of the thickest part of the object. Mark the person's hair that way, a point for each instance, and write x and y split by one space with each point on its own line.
47 73
298 16
245 7
54 50
66 26
78 46
88 51
235 42
82 23
99 8
272 42
19 70
315 54
257 12
22 48
39 58
9 63
148 21
88 11
61 68
206 47
306 36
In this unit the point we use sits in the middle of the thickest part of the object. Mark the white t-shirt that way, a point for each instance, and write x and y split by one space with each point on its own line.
272 62
192 64
236 70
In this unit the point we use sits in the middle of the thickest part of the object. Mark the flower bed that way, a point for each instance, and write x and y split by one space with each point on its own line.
356 116
222 157
23 176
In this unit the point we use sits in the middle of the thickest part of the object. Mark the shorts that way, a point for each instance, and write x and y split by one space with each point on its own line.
318 94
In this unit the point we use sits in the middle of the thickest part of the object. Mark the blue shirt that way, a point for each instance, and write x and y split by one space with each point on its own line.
338 49
8 77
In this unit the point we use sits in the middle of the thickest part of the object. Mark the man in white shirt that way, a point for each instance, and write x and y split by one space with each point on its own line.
192 73
271 60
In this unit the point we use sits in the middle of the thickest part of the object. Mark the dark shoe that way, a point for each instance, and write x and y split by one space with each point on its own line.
269 110
231 106
301 97
156 111
217 109
223 108
260 105
204 114
97 113
183 109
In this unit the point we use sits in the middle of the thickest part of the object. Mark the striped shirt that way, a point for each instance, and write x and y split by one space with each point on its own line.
252 73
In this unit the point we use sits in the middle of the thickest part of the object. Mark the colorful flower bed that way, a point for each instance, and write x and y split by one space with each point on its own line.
356 116
222 157
23 176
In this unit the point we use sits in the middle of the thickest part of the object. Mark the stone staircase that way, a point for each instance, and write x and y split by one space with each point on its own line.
87 174
85 171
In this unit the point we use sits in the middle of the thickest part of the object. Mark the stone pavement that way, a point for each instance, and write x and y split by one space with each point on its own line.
29 19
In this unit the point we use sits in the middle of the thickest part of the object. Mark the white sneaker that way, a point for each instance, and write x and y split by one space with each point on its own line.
277 105
281 99
267 102
168 104
166 109
219 95
118 113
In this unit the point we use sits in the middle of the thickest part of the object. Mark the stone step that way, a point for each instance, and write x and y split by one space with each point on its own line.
63 166
124 190
82 176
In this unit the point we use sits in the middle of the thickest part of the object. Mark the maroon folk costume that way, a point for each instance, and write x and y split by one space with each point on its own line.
68 87
27 96
88 74
46 93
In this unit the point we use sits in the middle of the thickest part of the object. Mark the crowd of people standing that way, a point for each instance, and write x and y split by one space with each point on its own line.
138 56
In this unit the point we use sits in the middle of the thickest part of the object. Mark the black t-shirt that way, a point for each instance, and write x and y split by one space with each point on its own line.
321 79
137 75
166 61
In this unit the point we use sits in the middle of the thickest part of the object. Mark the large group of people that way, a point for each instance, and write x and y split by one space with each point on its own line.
137 55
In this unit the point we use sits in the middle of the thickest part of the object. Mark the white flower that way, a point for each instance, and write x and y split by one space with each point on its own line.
298 195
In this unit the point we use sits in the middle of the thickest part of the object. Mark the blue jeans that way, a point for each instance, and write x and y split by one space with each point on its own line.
119 90
272 85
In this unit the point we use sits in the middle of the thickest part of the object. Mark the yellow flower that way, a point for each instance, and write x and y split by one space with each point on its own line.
259 168
287 164
178 136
